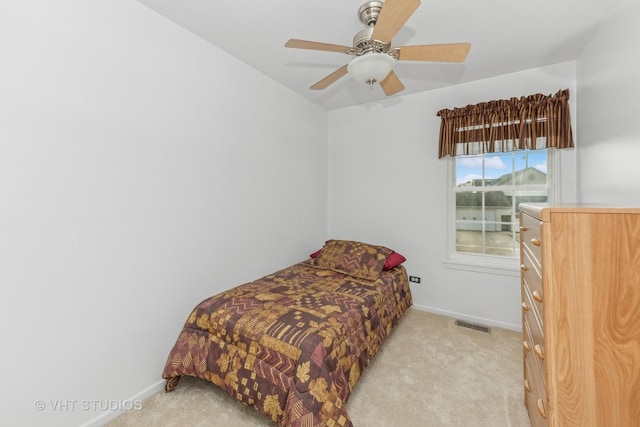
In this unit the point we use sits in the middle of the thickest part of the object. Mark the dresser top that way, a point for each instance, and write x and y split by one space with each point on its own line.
543 211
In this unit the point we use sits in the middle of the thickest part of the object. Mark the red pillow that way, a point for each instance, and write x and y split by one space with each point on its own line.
316 253
393 260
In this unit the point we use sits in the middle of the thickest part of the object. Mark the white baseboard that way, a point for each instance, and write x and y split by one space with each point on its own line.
481 320
107 416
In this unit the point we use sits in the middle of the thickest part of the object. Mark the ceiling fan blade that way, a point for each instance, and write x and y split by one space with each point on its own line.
393 15
454 52
391 84
330 79
304 44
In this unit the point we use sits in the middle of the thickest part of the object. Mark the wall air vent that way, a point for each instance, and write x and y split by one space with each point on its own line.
473 326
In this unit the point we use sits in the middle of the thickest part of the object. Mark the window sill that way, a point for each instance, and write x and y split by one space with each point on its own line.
483 264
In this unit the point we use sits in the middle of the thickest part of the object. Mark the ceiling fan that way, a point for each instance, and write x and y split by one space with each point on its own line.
374 57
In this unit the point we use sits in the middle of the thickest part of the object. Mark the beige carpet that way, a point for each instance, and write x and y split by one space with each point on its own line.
429 373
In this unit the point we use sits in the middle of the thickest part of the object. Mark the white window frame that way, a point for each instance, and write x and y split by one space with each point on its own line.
482 263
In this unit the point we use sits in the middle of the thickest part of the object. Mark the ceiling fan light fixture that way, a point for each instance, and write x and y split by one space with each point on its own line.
374 58
371 67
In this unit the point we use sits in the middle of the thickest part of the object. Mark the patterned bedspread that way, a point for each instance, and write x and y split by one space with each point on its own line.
292 344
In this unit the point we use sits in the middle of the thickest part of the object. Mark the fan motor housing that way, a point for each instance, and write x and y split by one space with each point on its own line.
363 43
369 12
362 38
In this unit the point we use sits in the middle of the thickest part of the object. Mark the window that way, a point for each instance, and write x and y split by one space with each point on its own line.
485 193
502 153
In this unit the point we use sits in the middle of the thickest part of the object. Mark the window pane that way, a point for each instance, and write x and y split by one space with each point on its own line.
498 210
469 240
469 206
486 230
540 196
499 240
498 169
469 170
530 168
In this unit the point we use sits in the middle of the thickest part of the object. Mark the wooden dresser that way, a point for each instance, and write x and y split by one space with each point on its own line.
581 315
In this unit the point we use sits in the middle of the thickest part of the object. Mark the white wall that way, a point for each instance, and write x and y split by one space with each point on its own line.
609 89
141 170
387 186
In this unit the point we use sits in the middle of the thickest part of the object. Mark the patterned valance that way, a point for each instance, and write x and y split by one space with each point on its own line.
533 122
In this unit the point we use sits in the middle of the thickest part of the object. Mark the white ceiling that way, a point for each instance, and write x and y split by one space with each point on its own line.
505 35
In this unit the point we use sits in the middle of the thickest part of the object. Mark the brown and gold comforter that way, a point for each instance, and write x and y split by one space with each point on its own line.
294 343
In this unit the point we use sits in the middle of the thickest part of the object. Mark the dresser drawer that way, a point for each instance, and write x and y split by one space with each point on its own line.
530 235
532 278
535 337
535 383
536 393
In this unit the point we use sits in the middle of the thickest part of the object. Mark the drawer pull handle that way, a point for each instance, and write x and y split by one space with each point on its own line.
526 346
538 351
523 267
540 406
523 228
525 307
527 386
537 296
535 242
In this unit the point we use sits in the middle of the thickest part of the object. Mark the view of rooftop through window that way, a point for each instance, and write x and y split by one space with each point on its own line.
489 190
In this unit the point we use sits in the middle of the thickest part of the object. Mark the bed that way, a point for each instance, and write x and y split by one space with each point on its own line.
294 343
